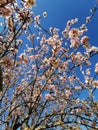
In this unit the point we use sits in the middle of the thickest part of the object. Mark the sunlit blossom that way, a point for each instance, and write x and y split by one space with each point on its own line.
5 11
96 68
75 42
49 97
73 33
88 71
5 2
93 49
88 19
95 83
7 62
68 93
70 22
30 3
44 14
85 41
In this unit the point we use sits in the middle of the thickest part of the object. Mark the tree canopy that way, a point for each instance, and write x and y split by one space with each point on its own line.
42 78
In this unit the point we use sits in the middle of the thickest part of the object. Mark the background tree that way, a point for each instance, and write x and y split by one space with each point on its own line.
41 87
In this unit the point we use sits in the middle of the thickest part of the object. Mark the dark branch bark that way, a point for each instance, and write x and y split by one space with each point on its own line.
1 80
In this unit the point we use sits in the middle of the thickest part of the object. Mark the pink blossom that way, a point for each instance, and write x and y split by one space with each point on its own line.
2 2
88 80
48 97
30 3
93 49
88 62
6 2
88 19
95 83
79 111
71 78
43 40
65 32
96 68
85 41
79 55
7 62
25 60
68 93
5 11
75 42
73 21
74 58
73 33
51 86
51 41
88 71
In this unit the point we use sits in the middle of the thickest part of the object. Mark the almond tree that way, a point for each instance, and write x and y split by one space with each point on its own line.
41 84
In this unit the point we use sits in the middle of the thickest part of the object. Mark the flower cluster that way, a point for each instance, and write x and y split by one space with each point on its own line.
30 3
96 68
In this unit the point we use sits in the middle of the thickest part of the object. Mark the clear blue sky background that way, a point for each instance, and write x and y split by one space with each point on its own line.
60 11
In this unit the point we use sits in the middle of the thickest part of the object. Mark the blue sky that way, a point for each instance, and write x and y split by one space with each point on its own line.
60 11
